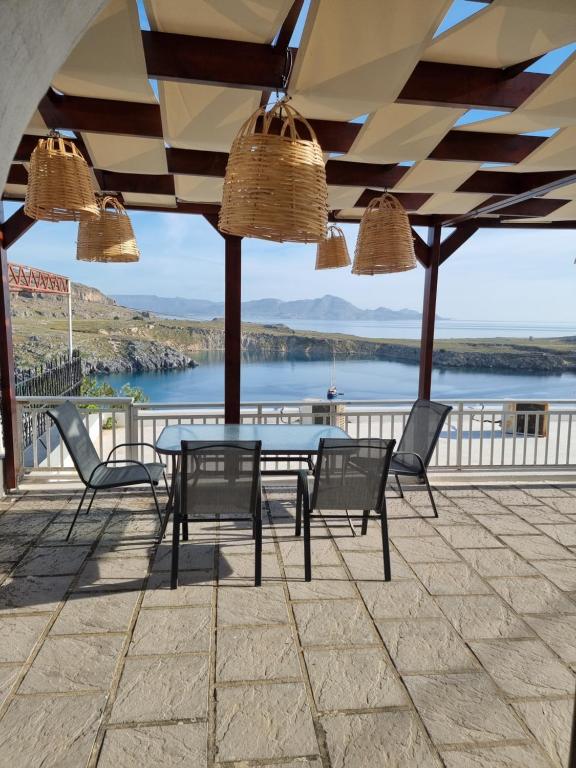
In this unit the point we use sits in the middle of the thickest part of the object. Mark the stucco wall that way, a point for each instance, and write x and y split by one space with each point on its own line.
36 36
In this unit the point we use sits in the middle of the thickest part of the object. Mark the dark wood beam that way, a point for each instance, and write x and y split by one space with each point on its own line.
17 175
16 226
496 205
535 206
194 162
140 183
510 183
421 249
232 329
219 62
7 380
456 85
74 113
486 147
288 26
429 313
197 209
454 241
363 174
410 200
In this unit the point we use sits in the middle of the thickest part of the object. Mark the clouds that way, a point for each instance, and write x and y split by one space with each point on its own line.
497 275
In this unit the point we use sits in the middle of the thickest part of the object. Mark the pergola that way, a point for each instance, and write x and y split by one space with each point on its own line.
383 93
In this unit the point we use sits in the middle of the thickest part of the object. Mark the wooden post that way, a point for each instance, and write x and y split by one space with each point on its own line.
7 381
429 312
232 329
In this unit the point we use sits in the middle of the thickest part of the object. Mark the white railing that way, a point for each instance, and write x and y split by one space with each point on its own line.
486 435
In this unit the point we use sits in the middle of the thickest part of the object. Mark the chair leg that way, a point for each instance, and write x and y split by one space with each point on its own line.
365 515
91 501
185 527
258 542
430 494
400 491
298 529
307 552
157 505
385 542
77 512
166 483
175 553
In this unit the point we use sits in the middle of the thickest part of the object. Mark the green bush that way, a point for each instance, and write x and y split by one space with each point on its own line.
91 388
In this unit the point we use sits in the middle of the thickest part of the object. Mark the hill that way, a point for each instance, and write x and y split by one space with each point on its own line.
325 308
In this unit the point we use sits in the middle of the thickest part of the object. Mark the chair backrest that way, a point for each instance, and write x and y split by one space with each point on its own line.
220 477
76 438
423 429
351 474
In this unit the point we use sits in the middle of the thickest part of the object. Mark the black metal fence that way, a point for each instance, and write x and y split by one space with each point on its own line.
56 377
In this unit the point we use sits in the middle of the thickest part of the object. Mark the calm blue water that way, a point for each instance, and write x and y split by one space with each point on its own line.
281 379
445 329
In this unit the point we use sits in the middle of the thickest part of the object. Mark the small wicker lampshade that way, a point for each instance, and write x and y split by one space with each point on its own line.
108 238
60 186
332 252
275 183
385 241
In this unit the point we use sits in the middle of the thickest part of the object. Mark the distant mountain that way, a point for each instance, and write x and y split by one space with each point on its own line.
326 308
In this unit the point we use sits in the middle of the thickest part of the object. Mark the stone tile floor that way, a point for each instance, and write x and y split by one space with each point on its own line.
466 659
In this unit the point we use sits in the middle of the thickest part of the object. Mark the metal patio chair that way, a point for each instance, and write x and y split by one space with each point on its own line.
349 475
100 475
418 443
218 481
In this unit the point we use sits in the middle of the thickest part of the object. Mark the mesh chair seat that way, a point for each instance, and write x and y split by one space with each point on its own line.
131 474
405 466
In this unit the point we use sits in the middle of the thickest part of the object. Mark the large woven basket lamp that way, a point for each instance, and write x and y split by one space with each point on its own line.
332 252
60 186
108 238
385 242
275 182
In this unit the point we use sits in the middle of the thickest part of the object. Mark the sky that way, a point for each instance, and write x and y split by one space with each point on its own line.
518 275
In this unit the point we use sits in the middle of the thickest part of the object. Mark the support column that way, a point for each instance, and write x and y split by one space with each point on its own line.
429 312
7 381
232 328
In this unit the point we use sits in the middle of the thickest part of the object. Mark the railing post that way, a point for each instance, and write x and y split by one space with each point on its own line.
460 428
130 429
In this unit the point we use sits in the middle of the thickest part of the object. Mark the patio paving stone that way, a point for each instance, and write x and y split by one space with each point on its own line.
256 653
172 630
462 708
536 547
52 561
472 647
560 572
276 716
50 731
85 613
550 722
357 678
524 667
334 622
80 663
482 616
496 757
402 600
169 746
19 635
378 739
565 505
533 595
418 646
563 533
450 579
162 688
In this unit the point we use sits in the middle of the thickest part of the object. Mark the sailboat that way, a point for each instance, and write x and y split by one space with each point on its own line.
332 392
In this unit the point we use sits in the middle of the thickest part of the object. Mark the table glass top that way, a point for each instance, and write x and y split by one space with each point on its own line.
276 438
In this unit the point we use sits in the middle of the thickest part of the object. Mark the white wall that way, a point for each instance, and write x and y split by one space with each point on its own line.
36 37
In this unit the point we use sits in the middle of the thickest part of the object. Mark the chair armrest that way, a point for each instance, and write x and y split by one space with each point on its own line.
128 445
119 461
411 453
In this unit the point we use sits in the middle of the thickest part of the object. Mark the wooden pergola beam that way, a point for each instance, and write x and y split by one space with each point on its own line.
16 226
7 378
455 240
410 200
429 312
457 85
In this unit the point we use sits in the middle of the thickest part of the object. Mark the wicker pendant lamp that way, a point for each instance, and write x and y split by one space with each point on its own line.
332 252
109 237
275 183
385 241
60 186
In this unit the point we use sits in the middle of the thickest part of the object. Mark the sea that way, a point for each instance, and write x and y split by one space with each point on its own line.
278 378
